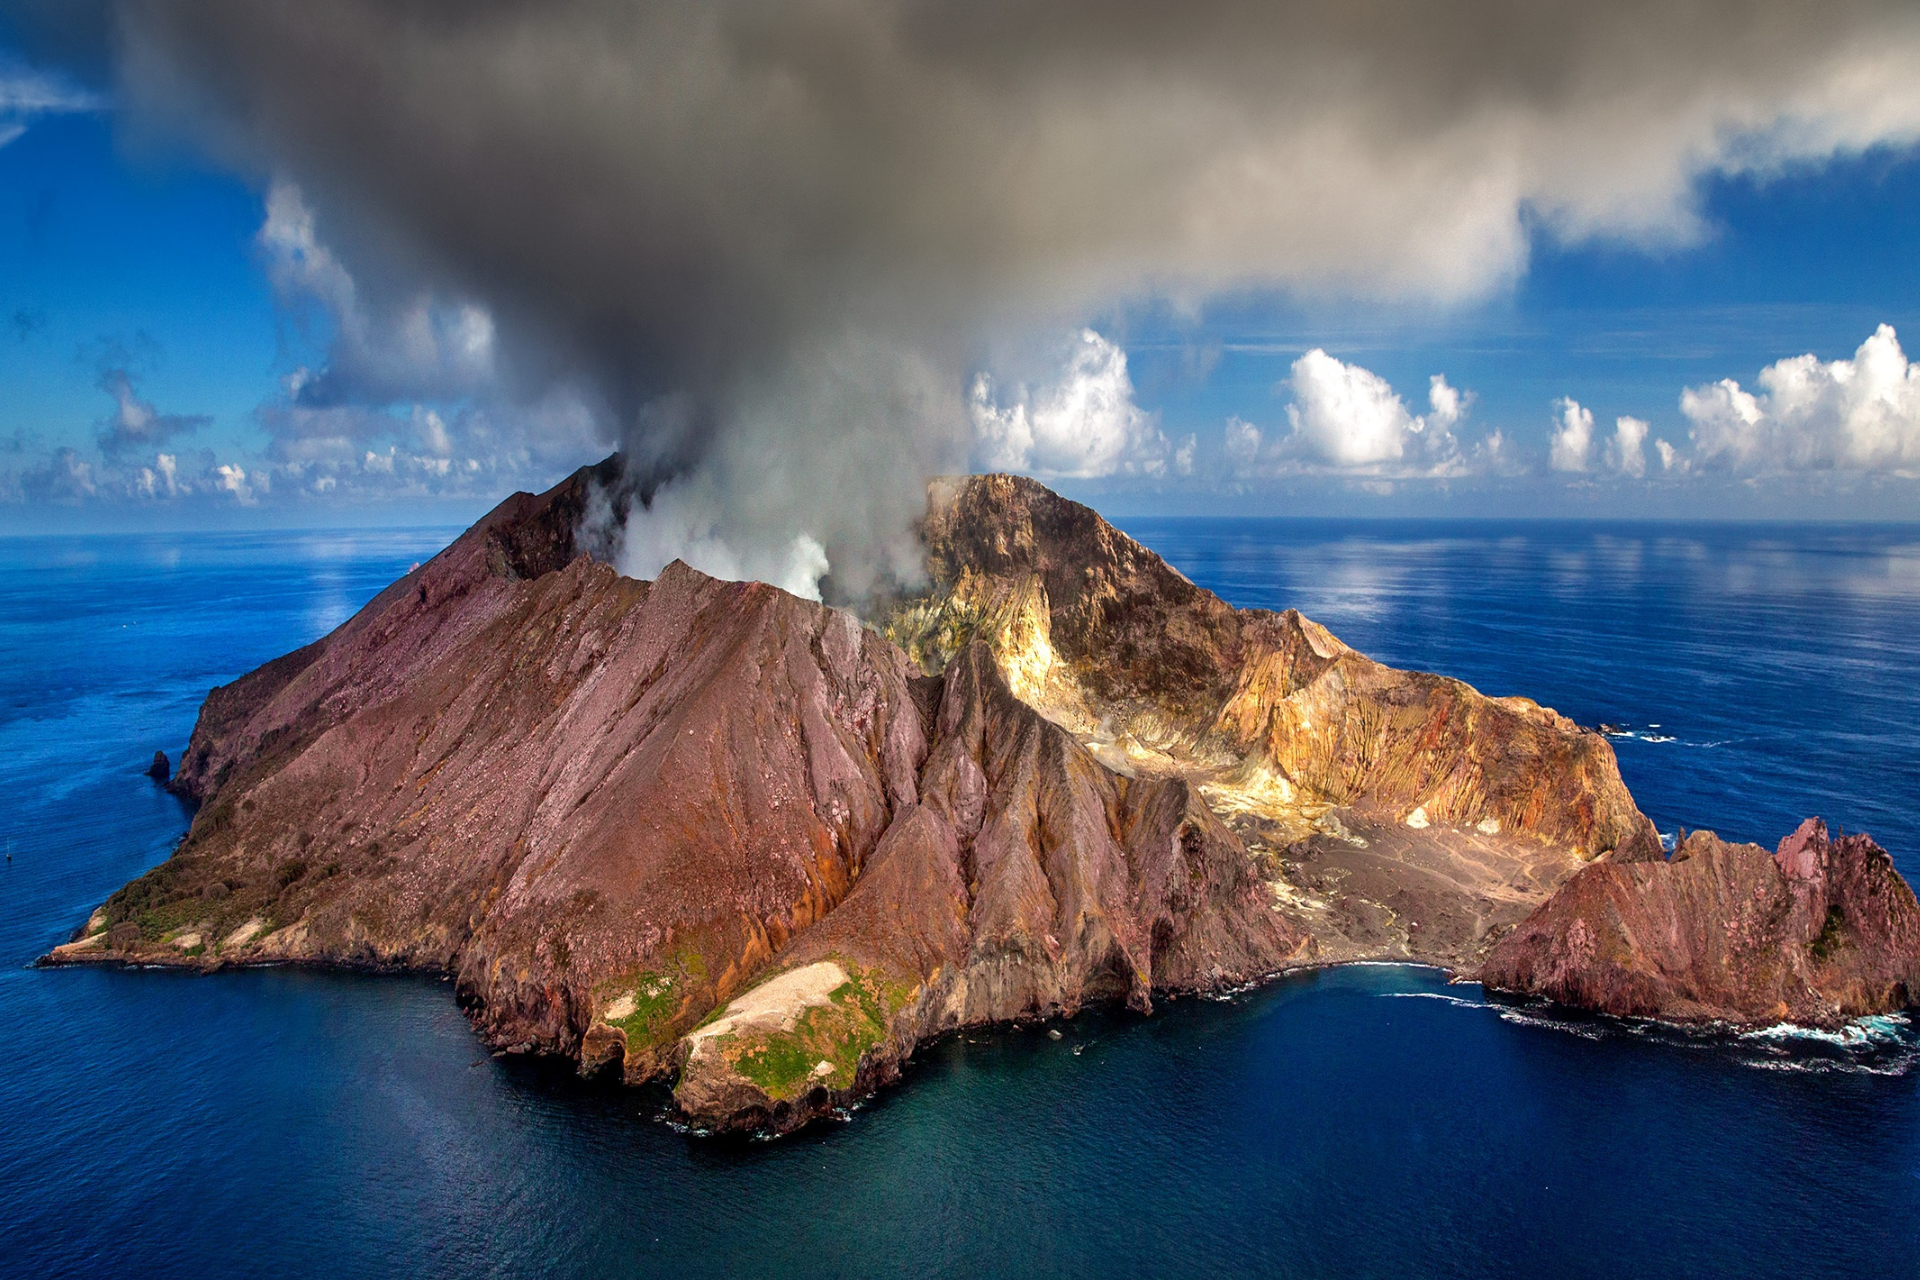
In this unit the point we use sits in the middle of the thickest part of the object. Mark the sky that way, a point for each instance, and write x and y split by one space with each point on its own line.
240 303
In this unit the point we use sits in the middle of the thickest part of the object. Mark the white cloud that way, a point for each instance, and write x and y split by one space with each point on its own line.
1571 447
1349 420
1626 452
161 480
135 424
26 94
1573 438
1085 424
418 348
235 480
1861 414
1347 415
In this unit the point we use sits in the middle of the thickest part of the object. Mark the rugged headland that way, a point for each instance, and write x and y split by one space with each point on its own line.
712 833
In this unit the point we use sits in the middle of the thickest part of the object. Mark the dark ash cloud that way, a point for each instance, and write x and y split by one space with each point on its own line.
770 241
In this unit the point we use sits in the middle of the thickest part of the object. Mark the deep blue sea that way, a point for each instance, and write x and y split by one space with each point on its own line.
1368 1121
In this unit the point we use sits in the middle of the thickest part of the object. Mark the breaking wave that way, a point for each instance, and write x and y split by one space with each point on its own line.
1879 1045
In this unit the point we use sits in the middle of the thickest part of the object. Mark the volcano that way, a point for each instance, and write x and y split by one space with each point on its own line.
712 834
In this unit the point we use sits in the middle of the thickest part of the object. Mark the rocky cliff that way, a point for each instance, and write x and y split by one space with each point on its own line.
1396 815
709 832
1820 931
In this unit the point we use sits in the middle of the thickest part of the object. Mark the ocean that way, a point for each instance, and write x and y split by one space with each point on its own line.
1363 1121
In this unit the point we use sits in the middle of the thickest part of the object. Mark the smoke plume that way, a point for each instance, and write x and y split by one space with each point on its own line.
773 240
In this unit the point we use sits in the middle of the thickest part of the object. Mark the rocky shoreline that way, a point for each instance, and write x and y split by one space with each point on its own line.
710 833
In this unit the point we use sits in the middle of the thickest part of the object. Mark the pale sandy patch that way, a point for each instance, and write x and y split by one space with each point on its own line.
244 934
775 1005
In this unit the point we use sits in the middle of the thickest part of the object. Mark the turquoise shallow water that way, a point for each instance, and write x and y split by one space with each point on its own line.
1359 1122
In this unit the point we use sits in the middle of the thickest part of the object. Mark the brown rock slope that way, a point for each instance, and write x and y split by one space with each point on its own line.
709 830
1820 931
558 787
1029 879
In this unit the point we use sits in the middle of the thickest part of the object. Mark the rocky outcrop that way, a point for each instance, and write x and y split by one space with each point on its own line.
1267 711
709 832
160 770
1394 814
1820 931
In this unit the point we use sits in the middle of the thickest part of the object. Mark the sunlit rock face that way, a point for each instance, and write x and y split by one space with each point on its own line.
712 833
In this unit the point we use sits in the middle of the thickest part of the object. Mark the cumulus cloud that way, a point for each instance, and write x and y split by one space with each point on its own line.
1627 451
1861 414
1572 436
696 209
1571 446
1084 424
1347 419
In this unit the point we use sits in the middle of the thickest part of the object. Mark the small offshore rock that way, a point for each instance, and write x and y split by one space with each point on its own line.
1053 1033
1821 931
160 770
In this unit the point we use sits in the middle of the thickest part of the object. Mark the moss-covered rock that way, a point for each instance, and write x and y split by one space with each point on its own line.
783 1050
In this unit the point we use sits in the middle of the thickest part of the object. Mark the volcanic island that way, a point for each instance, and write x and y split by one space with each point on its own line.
716 836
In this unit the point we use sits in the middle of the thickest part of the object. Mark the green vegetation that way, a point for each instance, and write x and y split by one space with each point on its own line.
839 1034
655 1001
657 996
156 904
1833 934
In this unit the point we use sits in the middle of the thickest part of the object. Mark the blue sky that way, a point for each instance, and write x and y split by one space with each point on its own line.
1810 260
135 279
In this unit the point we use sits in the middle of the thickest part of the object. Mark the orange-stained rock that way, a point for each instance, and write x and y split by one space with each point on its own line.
1819 932
1267 711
